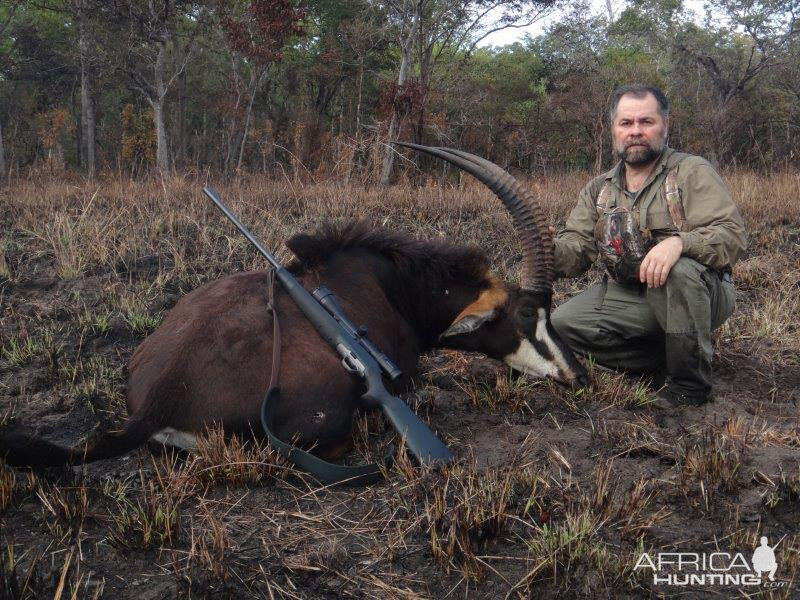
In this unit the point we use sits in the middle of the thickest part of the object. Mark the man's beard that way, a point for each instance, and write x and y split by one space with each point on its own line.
638 156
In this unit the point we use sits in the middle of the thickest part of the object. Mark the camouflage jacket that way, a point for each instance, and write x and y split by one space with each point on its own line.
713 235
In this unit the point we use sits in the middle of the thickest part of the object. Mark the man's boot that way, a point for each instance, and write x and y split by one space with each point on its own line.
688 381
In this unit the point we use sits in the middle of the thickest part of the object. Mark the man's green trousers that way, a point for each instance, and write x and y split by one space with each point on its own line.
644 331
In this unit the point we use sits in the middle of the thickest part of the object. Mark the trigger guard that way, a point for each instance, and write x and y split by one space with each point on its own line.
349 366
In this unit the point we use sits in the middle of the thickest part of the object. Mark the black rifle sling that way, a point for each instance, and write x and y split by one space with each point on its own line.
327 473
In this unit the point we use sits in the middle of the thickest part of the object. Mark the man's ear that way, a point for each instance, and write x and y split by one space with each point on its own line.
485 308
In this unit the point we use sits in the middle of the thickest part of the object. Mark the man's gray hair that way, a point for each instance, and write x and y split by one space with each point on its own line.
638 90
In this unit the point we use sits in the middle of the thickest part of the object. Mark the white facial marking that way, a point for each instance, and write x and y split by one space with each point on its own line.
529 361
542 335
178 439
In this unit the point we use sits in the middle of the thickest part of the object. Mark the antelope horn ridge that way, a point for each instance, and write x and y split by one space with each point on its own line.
526 213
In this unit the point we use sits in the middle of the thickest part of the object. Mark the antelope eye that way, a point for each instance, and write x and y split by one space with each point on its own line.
526 313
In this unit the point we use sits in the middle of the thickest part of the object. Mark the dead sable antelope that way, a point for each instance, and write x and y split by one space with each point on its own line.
210 360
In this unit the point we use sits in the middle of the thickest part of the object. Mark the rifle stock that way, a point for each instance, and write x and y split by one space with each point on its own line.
421 441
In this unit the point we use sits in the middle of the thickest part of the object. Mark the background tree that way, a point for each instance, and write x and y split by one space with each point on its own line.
151 42
740 42
82 10
7 13
236 86
438 27
37 76
257 32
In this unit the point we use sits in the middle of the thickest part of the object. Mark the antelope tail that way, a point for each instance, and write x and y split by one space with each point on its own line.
23 450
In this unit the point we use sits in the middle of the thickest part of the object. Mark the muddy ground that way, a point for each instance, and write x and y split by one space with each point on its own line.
556 493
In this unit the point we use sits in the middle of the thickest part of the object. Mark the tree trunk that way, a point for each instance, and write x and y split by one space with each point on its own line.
80 155
234 128
181 142
162 154
599 146
87 106
162 157
2 155
402 76
88 124
357 143
256 77
425 59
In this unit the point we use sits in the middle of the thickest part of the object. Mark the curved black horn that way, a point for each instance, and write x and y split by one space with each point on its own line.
526 214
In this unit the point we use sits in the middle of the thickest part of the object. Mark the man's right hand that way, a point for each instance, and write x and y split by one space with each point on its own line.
658 262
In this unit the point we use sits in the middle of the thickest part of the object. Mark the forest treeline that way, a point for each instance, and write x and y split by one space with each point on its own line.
317 87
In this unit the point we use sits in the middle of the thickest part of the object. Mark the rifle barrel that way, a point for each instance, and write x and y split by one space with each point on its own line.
232 218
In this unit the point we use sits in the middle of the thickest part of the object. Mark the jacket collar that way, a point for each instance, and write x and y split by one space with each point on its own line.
615 174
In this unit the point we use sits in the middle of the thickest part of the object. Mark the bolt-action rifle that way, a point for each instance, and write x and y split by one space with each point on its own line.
359 357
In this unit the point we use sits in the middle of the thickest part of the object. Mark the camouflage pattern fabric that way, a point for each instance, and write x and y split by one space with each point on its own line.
672 194
621 245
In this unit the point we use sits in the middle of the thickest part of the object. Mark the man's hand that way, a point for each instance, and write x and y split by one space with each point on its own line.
657 263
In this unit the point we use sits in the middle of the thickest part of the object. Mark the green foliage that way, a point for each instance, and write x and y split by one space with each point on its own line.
19 351
733 80
141 323
511 80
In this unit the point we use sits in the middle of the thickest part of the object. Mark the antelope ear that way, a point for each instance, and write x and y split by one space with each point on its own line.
469 323
484 309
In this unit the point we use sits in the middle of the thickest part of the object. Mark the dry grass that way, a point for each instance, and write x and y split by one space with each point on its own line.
8 486
234 461
149 515
576 486
609 388
574 536
64 508
707 465
466 513
637 437
15 583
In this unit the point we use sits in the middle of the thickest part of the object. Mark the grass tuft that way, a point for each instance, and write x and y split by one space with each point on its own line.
465 514
708 465
232 461
141 323
64 509
153 518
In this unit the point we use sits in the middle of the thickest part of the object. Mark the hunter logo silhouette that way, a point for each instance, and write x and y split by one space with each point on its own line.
764 559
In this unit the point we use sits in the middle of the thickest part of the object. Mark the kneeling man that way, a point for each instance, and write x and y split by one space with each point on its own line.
664 224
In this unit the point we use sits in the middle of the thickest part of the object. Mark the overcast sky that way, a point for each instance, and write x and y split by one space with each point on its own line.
509 36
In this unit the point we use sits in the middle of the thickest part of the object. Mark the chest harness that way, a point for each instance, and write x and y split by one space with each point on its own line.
621 242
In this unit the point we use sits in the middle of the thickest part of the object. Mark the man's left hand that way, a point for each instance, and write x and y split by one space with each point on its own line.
657 263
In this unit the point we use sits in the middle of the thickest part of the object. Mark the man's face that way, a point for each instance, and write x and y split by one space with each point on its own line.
639 132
